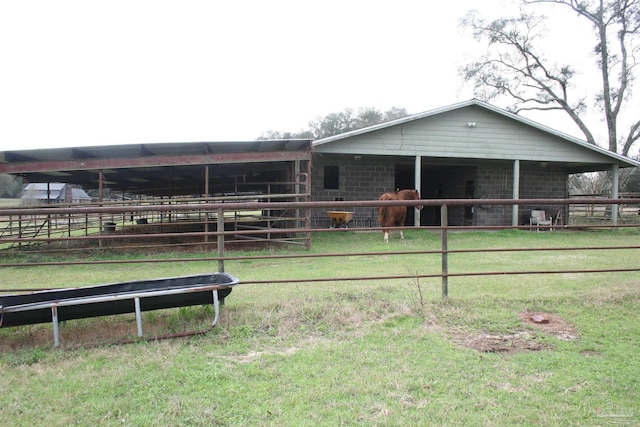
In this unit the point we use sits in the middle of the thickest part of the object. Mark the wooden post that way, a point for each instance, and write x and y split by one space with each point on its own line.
307 190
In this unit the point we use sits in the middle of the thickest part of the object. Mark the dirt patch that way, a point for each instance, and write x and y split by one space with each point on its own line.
509 343
101 331
551 324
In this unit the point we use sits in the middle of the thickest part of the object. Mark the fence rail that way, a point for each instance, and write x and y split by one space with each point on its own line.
226 228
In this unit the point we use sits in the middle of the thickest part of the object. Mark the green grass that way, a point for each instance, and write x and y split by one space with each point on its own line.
348 353
10 203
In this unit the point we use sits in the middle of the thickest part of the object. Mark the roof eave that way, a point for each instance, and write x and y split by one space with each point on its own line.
622 160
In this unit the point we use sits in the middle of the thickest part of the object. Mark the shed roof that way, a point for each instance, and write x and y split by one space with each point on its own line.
148 168
473 130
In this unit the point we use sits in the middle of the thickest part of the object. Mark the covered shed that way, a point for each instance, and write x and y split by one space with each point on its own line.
467 150
153 176
165 169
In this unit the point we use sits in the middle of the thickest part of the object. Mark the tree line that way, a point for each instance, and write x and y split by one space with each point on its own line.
341 122
10 186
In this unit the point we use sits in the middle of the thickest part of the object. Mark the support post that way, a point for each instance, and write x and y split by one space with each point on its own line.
206 195
138 316
216 307
308 211
444 223
100 198
516 192
220 240
615 179
417 184
56 329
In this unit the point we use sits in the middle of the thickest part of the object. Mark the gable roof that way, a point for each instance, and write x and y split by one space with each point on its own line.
323 145
52 191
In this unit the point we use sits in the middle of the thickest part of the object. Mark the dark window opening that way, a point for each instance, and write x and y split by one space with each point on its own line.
331 178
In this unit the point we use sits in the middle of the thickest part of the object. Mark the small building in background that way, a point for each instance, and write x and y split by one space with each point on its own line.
57 192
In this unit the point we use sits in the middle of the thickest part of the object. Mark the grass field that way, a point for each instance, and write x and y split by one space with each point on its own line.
350 353
10 203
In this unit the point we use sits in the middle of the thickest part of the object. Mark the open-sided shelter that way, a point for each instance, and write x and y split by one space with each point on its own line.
166 169
162 173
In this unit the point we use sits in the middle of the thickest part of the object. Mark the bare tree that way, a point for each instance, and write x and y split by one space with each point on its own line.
591 183
514 66
10 186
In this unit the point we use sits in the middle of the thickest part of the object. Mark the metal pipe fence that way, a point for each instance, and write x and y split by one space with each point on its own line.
223 230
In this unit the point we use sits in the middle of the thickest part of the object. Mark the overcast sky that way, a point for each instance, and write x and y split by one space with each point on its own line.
77 73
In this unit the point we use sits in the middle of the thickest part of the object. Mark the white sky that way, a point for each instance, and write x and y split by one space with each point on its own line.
77 73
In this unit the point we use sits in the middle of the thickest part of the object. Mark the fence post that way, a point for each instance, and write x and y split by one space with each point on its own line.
444 223
220 230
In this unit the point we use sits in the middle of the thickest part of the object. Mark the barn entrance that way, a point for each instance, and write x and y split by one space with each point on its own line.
443 181
405 178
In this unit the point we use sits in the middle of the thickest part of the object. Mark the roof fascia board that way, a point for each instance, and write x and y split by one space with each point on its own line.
559 134
152 161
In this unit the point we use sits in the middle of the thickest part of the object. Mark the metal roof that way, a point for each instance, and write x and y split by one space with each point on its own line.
154 168
52 191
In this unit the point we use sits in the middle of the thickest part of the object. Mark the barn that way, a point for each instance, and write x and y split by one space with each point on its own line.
470 150
53 192
467 150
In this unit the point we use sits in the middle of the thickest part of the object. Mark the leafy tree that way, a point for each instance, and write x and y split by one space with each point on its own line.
515 66
10 186
272 134
341 122
630 180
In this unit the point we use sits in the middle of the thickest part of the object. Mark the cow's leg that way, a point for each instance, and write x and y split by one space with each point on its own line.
386 236
401 235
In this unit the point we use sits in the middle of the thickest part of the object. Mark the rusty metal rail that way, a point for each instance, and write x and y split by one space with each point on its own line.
219 238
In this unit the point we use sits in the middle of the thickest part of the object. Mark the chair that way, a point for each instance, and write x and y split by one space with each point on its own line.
539 219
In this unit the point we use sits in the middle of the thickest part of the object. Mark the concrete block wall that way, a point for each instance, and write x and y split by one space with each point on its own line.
366 179
543 183
358 180
493 182
535 183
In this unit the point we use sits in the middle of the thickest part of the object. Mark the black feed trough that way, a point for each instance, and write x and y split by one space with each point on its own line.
116 298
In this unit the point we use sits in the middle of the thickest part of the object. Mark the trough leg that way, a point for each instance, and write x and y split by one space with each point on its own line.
138 316
216 307
56 330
